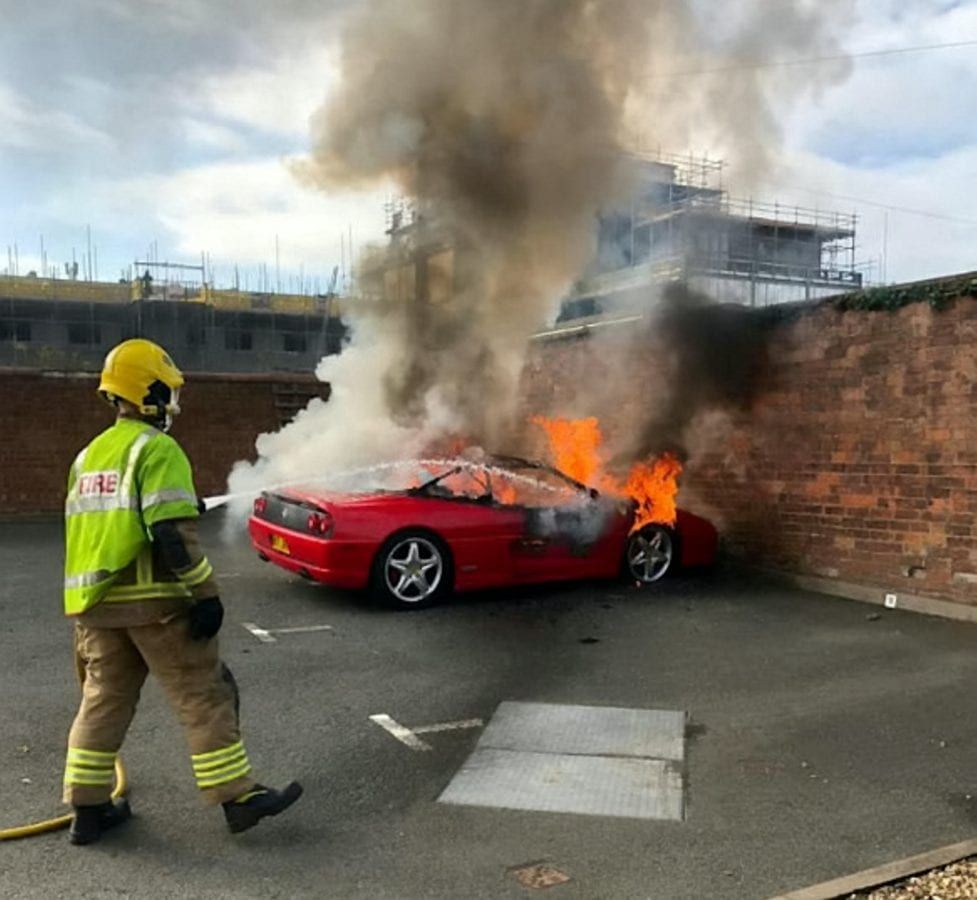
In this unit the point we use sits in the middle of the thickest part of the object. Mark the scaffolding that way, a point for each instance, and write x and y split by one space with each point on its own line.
681 224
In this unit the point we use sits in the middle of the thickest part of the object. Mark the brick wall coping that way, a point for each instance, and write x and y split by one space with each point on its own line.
935 291
240 377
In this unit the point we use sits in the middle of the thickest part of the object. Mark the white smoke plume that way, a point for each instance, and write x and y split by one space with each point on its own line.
506 122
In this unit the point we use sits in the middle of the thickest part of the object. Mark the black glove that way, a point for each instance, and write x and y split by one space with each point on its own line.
205 618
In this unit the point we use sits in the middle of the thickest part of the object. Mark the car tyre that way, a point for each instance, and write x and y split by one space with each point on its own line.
412 570
651 553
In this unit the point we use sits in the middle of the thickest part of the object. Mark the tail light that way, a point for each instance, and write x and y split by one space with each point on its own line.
260 505
320 523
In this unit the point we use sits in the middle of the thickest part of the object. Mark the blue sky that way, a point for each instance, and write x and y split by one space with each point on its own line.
171 123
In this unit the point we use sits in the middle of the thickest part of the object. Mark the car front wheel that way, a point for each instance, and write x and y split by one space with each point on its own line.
651 553
412 570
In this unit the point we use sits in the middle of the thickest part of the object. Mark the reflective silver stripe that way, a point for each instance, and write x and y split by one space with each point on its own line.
171 495
161 590
87 579
198 574
123 499
102 758
82 777
144 566
77 505
220 766
134 451
76 472
79 461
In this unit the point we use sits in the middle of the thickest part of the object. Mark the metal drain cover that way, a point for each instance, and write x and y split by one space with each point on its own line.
604 761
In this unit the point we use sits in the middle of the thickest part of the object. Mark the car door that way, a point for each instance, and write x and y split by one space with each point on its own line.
559 525
565 542
480 531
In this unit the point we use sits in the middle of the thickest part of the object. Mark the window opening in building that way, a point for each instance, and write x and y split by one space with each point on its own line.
237 340
15 331
294 342
84 333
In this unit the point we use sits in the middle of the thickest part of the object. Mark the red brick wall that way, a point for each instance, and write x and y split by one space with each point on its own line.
48 417
855 459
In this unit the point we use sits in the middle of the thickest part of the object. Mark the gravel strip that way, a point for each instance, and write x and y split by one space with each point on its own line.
957 881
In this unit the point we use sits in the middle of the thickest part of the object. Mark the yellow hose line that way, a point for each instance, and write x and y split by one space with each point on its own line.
12 834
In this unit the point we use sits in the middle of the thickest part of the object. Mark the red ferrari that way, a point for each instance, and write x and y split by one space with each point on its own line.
429 528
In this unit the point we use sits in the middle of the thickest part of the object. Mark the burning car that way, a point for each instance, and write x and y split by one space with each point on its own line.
415 532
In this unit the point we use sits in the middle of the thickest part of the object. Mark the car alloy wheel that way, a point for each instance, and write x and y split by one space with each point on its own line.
413 569
650 553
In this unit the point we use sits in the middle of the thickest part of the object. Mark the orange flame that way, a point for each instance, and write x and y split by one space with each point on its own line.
506 493
575 445
447 446
653 484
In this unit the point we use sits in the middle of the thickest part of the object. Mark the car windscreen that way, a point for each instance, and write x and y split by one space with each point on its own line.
451 476
534 486
508 482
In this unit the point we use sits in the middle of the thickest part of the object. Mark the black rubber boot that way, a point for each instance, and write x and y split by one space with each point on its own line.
250 808
90 821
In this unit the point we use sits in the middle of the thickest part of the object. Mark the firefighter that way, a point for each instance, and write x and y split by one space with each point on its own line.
144 599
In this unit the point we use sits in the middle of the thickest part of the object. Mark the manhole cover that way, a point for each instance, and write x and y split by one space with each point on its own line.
538 875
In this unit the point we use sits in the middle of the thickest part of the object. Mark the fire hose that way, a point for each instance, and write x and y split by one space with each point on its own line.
59 822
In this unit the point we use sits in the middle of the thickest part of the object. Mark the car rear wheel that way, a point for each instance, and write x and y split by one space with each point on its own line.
412 570
652 552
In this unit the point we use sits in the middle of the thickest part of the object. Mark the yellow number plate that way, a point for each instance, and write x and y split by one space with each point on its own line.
280 544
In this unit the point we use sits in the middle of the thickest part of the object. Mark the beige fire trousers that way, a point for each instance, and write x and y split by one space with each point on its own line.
114 663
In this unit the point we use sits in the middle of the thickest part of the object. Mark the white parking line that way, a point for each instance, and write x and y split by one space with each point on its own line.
409 736
403 734
300 629
259 633
448 726
267 635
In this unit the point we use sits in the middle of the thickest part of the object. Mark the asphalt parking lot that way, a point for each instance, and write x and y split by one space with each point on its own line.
824 737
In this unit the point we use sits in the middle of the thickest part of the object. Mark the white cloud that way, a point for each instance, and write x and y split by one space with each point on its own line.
903 105
234 212
899 132
210 135
278 97
915 246
23 126
898 135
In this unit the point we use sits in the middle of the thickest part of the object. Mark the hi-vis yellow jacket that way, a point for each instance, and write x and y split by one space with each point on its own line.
127 479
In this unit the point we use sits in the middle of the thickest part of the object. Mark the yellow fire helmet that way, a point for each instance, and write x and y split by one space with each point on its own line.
142 372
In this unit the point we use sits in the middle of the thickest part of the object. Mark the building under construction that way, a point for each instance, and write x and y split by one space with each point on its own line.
681 225
55 323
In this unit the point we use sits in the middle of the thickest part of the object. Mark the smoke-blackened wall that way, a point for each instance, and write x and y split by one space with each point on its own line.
701 362
710 356
853 459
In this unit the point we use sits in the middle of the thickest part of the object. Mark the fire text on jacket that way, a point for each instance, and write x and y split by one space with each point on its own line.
98 484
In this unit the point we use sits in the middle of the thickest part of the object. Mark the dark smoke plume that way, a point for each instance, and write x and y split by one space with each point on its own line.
506 122
711 354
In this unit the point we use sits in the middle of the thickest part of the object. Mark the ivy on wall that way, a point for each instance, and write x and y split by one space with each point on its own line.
938 294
